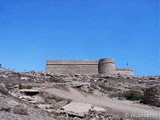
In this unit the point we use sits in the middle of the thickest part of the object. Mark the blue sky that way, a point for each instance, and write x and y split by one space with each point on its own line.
33 31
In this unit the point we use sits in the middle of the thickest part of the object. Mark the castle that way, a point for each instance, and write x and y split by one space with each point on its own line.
103 66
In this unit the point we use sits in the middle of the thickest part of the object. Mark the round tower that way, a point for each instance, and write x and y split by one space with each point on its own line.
106 67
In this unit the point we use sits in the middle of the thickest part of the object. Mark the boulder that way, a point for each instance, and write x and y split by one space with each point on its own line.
80 109
24 78
3 89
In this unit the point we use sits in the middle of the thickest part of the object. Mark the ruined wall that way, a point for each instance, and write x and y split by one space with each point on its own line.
72 67
124 71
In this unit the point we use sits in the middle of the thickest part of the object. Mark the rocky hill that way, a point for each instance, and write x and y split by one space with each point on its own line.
35 95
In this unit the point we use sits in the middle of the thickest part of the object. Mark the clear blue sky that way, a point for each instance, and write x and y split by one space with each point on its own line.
32 31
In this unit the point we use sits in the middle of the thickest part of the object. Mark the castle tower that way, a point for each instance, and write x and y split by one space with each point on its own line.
106 67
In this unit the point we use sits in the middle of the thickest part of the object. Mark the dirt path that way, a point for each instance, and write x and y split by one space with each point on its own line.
127 107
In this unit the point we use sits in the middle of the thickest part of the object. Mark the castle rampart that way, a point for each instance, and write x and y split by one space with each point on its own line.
103 66
72 67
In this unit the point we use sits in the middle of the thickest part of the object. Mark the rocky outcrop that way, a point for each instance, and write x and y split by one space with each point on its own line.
96 115
3 89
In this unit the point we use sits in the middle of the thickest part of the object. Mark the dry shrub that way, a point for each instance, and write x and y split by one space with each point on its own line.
133 95
129 95
25 86
106 88
20 110
6 109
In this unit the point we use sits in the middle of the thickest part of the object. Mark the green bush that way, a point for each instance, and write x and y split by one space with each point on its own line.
133 95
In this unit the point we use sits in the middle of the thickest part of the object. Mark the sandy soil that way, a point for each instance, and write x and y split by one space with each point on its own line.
129 108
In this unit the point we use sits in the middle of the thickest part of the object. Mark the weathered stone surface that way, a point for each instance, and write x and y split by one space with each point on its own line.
24 78
72 69
3 89
124 72
79 84
80 109
96 115
39 99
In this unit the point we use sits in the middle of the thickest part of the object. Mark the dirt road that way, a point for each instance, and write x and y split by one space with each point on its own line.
124 106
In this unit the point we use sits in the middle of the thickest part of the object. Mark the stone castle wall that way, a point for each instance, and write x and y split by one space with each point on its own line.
124 71
72 67
106 67
91 67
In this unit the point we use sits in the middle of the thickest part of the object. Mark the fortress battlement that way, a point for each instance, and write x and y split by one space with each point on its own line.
72 62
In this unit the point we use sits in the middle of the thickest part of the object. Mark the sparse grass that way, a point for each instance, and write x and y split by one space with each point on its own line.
20 110
56 79
105 87
55 113
90 91
120 95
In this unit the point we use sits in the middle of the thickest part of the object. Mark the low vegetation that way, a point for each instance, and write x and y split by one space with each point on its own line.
24 86
133 95
129 95
20 110
6 109
105 87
